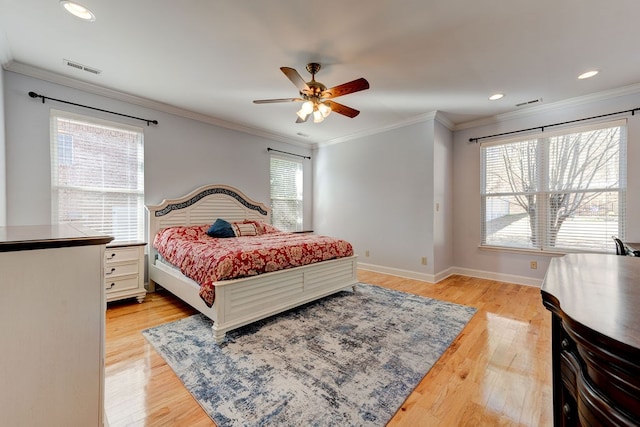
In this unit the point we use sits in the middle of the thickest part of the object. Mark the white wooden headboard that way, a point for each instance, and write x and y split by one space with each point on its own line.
203 206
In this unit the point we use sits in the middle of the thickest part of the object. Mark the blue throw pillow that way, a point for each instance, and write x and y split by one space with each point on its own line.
221 228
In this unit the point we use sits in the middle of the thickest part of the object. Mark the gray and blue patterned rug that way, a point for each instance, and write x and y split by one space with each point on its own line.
347 360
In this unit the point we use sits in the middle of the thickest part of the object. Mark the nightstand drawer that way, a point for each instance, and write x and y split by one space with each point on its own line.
124 271
114 270
112 255
121 284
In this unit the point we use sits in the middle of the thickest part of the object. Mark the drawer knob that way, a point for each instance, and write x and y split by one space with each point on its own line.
110 287
110 272
565 344
113 255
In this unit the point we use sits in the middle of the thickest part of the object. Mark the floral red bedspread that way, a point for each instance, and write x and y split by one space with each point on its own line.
207 260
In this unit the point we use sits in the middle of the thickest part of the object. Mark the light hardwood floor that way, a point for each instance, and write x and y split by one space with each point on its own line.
497 372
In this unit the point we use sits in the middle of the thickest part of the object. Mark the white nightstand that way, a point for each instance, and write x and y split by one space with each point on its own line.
124 271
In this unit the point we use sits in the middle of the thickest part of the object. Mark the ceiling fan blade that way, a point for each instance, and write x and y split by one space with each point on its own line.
299 120
271 101
295 78
345 88
342 109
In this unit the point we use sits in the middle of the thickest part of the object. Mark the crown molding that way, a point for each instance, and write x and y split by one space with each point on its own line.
422 118
39 73
440 118
535 110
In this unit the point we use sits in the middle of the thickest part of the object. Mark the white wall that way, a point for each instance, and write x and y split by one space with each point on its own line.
3 171
415 191
513 266
180 153
378 193
443 173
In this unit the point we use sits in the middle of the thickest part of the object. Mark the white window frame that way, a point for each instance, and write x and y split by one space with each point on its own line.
542 241
293 219
124 221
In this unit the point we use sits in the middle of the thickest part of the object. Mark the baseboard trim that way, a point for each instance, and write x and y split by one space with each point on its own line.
435 278
430 278
500 277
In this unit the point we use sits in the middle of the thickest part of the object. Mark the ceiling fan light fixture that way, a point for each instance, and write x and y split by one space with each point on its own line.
307 107
317 116
324 109
316 98
78 10
305 110
302 115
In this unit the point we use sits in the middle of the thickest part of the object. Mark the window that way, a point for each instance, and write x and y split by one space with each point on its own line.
97 175
555 192
286 193
65 149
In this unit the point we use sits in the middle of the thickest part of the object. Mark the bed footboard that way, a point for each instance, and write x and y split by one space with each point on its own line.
243 301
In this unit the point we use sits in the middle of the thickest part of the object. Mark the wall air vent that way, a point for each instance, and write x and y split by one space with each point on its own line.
81 67
533 101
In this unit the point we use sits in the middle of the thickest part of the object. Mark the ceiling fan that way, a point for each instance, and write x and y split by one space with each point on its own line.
316 98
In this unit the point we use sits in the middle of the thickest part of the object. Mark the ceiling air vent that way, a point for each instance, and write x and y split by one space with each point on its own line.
81 67
533 101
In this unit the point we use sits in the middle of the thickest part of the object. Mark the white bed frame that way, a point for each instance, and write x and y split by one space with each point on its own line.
241 301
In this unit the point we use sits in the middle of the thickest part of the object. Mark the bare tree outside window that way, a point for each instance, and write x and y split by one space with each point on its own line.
563 191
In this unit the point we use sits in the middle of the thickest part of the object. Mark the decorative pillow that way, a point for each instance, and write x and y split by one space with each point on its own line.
262 227
244 229
268 228
221 228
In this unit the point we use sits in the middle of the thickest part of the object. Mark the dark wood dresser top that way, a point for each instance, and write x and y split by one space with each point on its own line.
30 237
595 327
601 292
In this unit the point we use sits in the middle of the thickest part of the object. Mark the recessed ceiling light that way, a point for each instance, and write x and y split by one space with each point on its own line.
78 10
496 96
588 74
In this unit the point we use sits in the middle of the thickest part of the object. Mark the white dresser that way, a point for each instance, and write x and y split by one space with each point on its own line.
52 314
124 271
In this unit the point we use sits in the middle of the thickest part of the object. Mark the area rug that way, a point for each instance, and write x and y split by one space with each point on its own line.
349 359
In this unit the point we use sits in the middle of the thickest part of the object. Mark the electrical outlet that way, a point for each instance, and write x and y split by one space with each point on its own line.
534 265
366 253
424 260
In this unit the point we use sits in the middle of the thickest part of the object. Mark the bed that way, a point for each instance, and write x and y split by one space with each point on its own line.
241 301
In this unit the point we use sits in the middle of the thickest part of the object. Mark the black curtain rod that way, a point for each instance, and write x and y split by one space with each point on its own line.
291 154
35 95
633 112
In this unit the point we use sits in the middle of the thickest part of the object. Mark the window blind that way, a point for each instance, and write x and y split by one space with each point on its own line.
286 193
97 175
560 191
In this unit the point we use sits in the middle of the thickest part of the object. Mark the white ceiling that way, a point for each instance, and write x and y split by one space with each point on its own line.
214 57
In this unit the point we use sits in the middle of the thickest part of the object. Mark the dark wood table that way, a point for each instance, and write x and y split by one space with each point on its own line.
594 301
634 248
